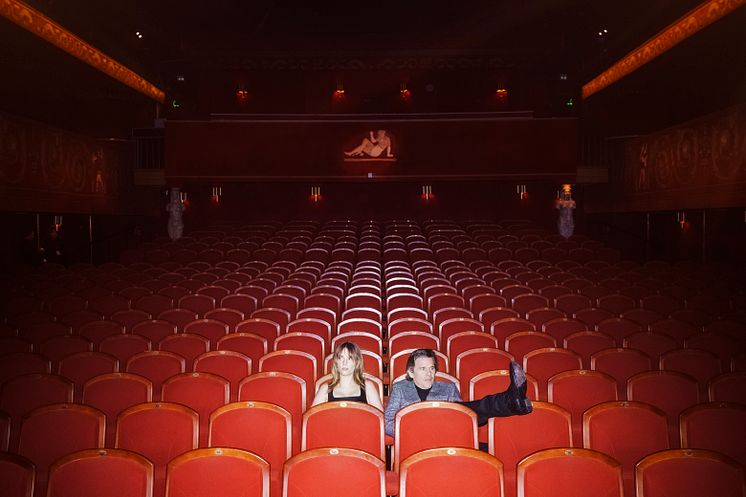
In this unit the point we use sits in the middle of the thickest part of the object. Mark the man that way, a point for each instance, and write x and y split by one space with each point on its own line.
420 385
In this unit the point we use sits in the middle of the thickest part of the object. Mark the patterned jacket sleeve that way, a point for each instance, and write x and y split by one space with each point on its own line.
453 394
396 402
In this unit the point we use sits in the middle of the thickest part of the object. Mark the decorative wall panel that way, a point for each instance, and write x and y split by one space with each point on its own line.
698 164
47 169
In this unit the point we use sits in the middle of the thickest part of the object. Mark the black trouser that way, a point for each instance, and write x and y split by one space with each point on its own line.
496 405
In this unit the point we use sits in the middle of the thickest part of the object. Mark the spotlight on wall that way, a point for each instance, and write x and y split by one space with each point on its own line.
315 193
681 218
183 197
57 222
217 192
427 192
521 191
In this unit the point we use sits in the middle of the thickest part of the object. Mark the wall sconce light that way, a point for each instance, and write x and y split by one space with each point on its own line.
404 92
427 192
57 222
242 95
183 197
315 193
521 191
681 218
217 192
339 93
501 94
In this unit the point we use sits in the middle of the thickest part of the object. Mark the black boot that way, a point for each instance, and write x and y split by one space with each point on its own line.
518 403
511 402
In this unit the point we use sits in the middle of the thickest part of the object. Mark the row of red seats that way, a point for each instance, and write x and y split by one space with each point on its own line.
228 471
625 432
576 390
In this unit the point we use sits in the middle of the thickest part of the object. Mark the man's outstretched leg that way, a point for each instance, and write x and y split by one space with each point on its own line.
511 402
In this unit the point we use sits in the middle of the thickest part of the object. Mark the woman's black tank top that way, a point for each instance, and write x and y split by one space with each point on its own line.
356 398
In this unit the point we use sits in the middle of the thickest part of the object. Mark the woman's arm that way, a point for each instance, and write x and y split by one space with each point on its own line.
371 393
322 395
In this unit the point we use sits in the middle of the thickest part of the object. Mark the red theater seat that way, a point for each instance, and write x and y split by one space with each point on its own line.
156 366
621 364
556 472
231 365
112 393
202 392
728 387
17 474
513 438
90 473
689 473
718 426
217 471
546 362
283 389
450 471
669 391
53 431
627 431
578 390
339 467
251 345
321 425
432 424
259 427
83 366
159 431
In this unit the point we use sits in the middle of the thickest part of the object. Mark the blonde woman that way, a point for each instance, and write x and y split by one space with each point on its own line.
348 382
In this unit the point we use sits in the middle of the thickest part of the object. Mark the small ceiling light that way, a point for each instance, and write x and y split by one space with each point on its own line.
681 218
563 77
180 78
139 35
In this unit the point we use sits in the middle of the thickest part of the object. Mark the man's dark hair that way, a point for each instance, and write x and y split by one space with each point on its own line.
416 355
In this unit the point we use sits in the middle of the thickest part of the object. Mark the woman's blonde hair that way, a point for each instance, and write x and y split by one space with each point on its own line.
356 356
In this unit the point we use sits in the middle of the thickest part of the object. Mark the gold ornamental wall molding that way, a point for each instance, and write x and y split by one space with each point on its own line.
42 26
690 23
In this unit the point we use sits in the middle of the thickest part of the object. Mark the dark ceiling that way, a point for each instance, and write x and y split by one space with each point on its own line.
46 84
175 29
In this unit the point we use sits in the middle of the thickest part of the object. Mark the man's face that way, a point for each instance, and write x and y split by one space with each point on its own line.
423 372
